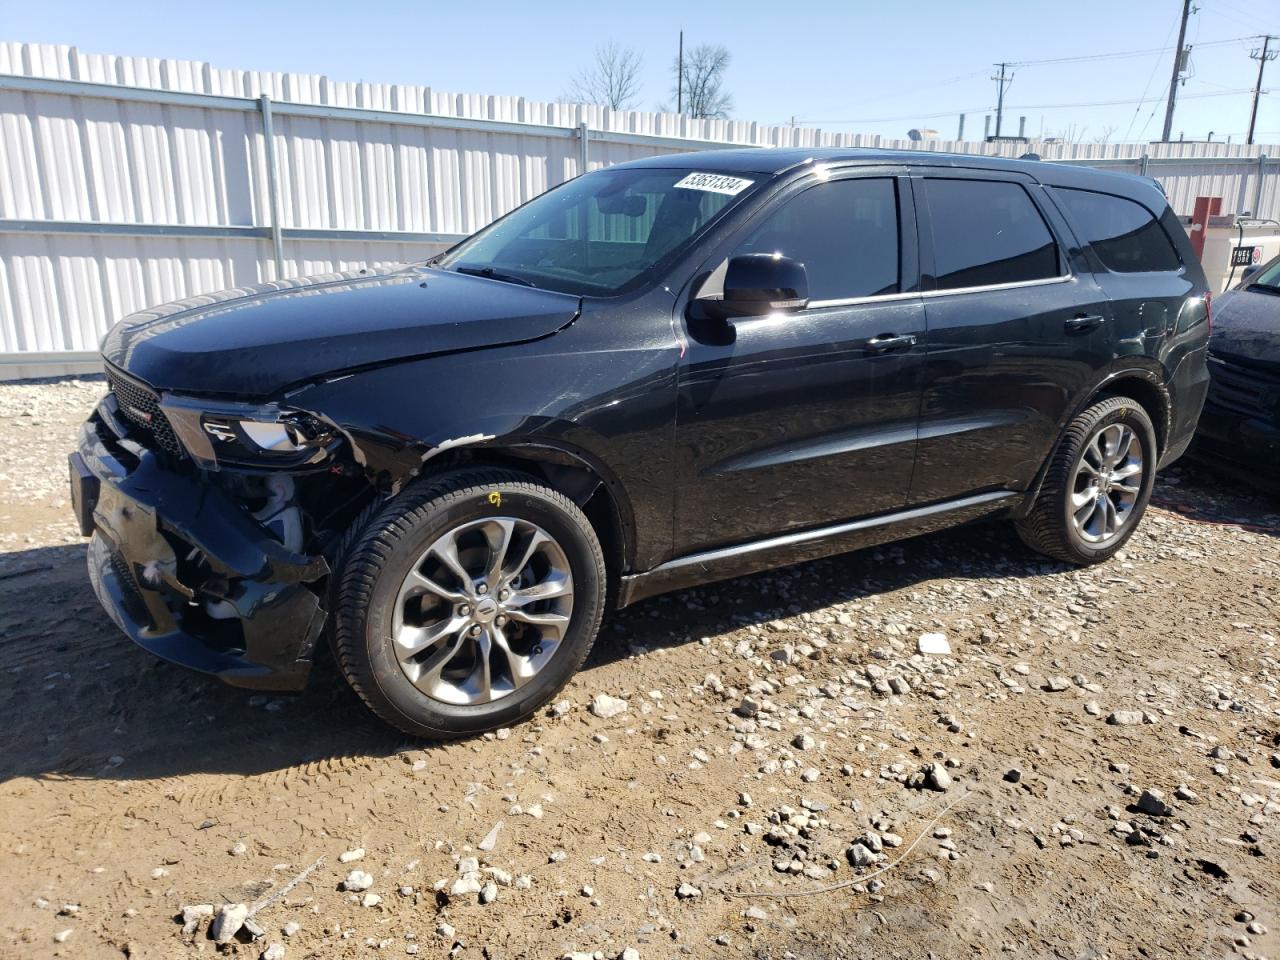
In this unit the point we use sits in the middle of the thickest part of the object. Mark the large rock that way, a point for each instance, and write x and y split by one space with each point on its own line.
1125 718
860 856
1152 803
934 643
466 885
228 921
196 911
937 778
357 881
606 707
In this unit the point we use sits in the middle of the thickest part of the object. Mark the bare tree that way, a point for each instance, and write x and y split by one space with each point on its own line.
703 92
1108 131
613 80
1070 134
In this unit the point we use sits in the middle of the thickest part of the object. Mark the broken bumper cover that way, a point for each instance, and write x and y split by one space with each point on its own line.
166 548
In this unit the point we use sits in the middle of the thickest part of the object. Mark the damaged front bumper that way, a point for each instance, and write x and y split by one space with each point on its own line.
186 572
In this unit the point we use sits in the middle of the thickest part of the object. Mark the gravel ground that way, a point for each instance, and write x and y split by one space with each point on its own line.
1092 770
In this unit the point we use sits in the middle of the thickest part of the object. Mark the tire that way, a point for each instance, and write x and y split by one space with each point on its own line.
337 558
1051 526
469 512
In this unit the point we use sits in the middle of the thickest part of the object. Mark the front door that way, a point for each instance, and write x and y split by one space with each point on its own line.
798 420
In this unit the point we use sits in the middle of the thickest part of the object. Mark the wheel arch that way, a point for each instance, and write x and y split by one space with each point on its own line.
1148 391
588 483
1143 386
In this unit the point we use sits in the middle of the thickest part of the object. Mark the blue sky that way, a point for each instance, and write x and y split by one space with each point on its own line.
858 66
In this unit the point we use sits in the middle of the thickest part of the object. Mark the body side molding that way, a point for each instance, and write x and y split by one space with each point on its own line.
734 561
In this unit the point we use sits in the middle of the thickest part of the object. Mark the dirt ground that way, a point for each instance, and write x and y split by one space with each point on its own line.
778 729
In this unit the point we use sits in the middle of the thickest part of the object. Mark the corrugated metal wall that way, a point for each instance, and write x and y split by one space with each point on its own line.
128 181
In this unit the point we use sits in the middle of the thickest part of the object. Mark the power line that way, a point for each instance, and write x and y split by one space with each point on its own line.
912 90
1121 54
1029 106
1152 115
1146 87
1234 13
1004 79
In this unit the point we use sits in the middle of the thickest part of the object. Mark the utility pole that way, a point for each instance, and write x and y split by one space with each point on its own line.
680 76
1262 56
1178 66
1002 83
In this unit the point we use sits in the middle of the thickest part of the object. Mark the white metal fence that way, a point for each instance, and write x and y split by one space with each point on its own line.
126 181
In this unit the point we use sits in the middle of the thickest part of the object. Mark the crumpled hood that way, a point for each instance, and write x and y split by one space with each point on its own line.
1246 328
255 341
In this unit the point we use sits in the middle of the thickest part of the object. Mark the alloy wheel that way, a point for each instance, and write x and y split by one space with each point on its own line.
483 610
1107 483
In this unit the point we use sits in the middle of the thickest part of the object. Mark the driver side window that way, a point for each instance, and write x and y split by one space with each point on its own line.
845 232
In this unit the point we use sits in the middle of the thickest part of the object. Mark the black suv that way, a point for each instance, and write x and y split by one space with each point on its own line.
655 375
1240 429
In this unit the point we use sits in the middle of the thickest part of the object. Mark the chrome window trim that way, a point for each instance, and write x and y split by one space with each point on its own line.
851 301
927 294
1016 284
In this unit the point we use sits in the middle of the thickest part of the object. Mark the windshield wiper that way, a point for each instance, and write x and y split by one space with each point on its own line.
491 274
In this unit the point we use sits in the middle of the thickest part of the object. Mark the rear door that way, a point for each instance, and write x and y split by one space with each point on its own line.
797 420
1136 262
1016 329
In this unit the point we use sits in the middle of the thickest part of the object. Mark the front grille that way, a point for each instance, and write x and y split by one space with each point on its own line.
1242 389
141 406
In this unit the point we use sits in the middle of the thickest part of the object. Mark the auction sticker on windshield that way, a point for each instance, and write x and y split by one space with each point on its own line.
715 183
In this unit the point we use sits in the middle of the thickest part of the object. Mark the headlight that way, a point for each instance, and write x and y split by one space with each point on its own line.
289 433
222 433
272 436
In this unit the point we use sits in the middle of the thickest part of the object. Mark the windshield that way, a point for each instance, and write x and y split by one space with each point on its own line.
600 234
1268 277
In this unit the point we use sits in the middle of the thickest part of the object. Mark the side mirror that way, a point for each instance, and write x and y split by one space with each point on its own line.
1249 271
758 284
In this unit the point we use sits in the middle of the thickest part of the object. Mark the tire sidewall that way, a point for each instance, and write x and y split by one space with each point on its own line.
1133 416
418 532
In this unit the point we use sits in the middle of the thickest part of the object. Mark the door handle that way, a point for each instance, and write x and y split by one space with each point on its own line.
1084 321
890 341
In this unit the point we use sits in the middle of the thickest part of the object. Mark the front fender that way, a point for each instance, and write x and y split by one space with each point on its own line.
612 413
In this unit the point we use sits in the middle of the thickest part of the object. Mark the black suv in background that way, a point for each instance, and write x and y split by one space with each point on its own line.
655 375
1240 428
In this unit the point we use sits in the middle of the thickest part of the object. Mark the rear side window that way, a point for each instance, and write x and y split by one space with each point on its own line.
845 232
987 232
1124 235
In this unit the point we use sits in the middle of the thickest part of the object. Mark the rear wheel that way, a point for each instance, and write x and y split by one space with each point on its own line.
1097 486
469 602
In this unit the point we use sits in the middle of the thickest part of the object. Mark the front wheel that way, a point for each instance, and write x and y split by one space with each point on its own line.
1097 486
469 602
